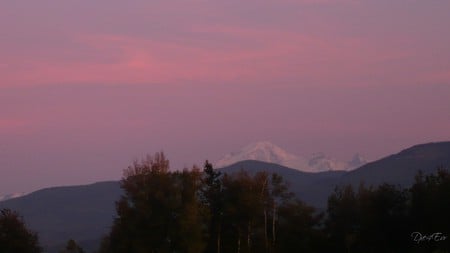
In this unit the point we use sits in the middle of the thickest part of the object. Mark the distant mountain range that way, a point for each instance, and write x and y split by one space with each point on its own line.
11 196
400 168
313 188
265 151
85 213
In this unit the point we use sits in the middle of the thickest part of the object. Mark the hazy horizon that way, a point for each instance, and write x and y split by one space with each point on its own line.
86 87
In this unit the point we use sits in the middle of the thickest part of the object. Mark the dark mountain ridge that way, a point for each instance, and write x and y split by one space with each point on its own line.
313 188
58 214
401 168
85 213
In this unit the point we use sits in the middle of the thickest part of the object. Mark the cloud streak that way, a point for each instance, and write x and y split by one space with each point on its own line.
202 48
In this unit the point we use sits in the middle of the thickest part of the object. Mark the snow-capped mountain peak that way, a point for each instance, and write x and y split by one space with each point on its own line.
263 151
12 196
321 162
268 152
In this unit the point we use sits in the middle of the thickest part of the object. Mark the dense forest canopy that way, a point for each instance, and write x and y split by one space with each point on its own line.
195 211
210 211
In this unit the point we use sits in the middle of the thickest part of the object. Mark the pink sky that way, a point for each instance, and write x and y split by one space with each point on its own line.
87 86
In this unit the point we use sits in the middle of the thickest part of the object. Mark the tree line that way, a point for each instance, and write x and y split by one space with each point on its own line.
15 237
195 211
205 210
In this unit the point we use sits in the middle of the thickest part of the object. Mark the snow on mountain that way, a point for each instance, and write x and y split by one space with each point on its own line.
11 196
356 162
268 152
321 162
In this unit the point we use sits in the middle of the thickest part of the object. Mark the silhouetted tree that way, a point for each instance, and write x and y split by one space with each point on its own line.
160 211
342 225
237 210
383 219
430 206
279 196
257 210
192 211
297 228
212 198
189 233
388 218
72 247
15 237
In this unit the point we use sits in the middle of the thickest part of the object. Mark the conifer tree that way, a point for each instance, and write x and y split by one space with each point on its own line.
212 198
15 237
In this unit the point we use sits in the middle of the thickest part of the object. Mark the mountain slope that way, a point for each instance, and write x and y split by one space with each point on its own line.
313 188
58 214
401 168
85 213
398 169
